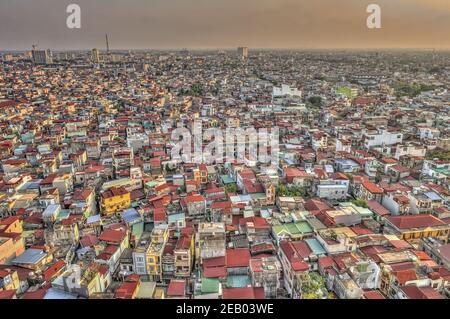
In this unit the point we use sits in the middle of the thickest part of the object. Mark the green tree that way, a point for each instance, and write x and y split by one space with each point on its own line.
438 153
197 89
290 190
312 286
360 203
231 188
315 100
410 90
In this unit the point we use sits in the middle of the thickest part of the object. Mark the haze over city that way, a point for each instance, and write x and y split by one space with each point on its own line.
205 24
229 154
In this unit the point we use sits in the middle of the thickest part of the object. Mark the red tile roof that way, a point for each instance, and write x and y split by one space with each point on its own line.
377 208
258 222
374 294
9 220
403 276
88 241
194 198
81 194
38 294
114 191
221 205
126 290
113 236
184 242
214 262
326 262
315 204
294 254
51 271
7 294
414 292
215 272
177 288
415 221
239 257
159 214
372 188
214 267
243 293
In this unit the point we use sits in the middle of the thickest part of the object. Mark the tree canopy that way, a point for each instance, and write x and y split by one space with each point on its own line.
290 190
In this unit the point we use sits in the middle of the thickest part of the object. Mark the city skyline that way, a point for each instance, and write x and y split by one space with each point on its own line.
198 24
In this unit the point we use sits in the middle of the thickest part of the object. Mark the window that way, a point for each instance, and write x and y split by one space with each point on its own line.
141 270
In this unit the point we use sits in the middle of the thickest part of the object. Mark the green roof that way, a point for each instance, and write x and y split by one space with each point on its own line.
293 229
238 281
347 91
210 285
151 184
63 214
442 170
226 179
258 195
364 212
137 229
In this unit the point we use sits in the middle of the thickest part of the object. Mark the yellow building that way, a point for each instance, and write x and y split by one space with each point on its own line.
11 224
201 174
115 200
88 281
159 293
11 241
160 235
9 280
10 248
415 227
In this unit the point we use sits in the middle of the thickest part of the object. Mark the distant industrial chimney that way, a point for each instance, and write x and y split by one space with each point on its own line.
107 43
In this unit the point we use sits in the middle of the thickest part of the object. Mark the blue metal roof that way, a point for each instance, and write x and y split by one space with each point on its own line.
315 246
131 216
30 256
433 196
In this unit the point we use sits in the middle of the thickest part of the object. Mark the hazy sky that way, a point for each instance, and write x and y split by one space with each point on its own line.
224 24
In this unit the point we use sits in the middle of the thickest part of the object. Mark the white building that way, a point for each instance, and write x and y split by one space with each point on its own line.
415 150
435 168
427 133
333 189
137 141
343 146
285 91
381 138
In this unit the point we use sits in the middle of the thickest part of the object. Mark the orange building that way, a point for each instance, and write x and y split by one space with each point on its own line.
11 241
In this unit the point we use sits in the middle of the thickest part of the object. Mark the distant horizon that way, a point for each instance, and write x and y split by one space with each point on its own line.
232 49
